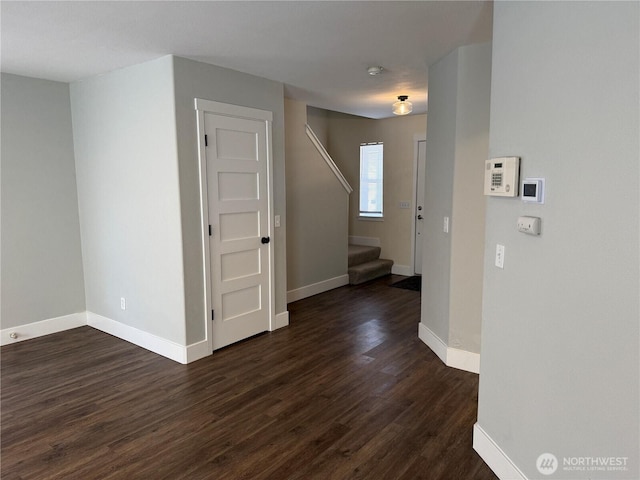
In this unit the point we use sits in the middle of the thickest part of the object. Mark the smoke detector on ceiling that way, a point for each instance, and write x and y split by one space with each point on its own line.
375 70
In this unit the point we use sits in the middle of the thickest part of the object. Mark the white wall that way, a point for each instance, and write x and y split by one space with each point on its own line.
317 212
209 82
42 275
457 146
128 188
560 353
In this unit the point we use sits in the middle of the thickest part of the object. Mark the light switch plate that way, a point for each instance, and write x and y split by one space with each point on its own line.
499 256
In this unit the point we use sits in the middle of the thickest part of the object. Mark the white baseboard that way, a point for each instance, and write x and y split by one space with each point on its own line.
141 338
166 348
43 327
316 288
451 357
493 456
405 270
463 360
433 342
282 320
197 350
366 241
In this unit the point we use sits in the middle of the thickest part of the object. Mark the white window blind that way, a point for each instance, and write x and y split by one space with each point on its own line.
371 167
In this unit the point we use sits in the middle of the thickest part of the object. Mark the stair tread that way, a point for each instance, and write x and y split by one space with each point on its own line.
372 264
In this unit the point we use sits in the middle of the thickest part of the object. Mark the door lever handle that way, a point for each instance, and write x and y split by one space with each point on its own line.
419 217
265 240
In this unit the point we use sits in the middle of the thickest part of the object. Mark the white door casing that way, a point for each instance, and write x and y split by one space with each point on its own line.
420 178
235 168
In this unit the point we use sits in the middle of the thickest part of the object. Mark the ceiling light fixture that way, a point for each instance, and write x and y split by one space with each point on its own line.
402 106
376 70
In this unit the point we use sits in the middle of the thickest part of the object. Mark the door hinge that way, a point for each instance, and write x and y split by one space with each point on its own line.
209 230
206 141
213 316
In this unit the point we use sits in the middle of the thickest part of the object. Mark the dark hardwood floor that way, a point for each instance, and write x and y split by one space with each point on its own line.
347 391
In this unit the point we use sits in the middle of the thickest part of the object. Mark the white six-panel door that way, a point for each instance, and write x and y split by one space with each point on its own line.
237 158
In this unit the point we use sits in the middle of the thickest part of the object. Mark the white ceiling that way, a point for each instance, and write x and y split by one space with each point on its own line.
319 50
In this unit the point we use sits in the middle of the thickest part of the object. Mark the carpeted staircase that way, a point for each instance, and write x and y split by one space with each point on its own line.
365 264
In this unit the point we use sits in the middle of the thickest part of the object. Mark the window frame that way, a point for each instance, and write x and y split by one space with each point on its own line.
366 181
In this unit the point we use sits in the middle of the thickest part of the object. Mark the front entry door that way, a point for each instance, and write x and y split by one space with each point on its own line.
237 158
419 212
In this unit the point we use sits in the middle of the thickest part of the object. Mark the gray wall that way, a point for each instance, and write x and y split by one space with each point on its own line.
42 274
468 204
129 197
209 82
560 357
317 208
318 120
438 203
457 146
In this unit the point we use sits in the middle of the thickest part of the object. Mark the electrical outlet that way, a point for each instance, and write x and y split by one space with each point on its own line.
499 256
276 221
123 303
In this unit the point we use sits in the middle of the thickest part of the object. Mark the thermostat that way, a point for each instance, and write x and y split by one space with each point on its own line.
533 190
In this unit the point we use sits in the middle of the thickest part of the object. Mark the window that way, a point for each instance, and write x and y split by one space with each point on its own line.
371 180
